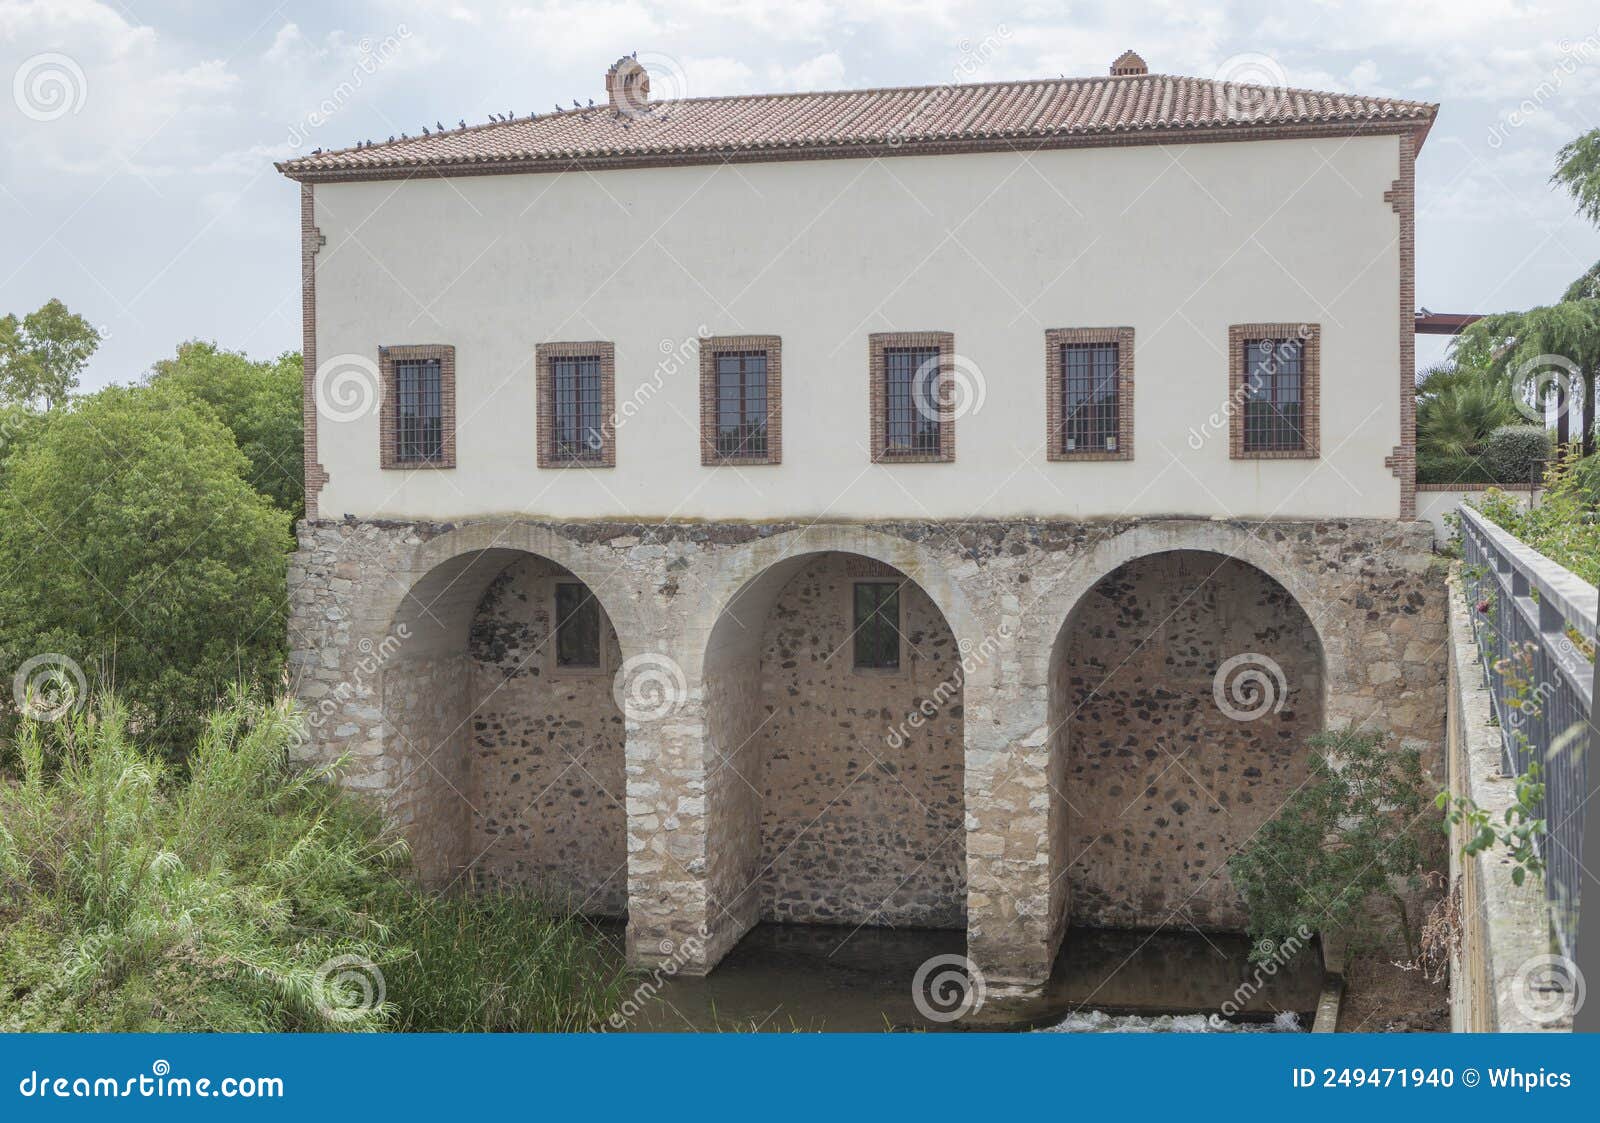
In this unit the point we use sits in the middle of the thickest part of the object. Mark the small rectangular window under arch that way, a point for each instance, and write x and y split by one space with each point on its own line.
876 625
577 627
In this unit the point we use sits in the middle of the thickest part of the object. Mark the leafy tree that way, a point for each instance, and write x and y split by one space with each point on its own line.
1351 834
1507 342
18 425
1586 287
135 548
259 401
1578 170
42 354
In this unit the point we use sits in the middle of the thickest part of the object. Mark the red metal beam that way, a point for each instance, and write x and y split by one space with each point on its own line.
1444 323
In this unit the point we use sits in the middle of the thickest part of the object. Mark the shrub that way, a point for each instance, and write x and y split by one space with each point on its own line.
1586 480
1455 470
1564 524
1352 833
1516 453
138 901
137 897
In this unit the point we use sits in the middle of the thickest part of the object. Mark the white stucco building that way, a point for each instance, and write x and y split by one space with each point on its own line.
837 507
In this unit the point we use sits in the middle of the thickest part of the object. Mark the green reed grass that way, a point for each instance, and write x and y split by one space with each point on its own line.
139 895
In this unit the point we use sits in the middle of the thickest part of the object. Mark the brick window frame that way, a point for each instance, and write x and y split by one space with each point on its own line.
1310 337
877 344
710 348
1055 404
389 410
545 402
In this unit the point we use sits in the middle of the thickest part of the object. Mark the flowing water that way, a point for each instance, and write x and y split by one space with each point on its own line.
802 978
1097 1021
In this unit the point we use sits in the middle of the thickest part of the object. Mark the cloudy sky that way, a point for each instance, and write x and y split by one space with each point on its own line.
136 148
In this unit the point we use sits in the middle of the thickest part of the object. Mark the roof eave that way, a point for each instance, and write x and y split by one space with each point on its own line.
1424 127
1418 126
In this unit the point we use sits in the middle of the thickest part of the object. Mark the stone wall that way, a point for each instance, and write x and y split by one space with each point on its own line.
423 767
546 785
1161 783
861 802
381 620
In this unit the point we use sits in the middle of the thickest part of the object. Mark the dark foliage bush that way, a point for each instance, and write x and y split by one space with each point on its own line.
1516 453
1456 470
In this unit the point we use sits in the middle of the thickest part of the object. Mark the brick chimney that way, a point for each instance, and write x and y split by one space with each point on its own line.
628 86
1129 63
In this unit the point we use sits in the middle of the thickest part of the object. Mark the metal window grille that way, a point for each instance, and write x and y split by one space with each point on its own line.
911 400
742 403
1274 405
877 625
577 626
419 424
578 432
1091 405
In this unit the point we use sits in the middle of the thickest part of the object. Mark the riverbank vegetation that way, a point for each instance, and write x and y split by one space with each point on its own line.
236 891
163 865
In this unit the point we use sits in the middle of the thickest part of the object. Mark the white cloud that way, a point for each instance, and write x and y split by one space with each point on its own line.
706 77
287 44
183 114
824 72
141 98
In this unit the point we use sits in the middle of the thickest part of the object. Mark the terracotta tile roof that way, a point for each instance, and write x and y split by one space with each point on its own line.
1067 112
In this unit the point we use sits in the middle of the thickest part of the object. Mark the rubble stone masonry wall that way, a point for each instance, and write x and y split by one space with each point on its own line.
756 777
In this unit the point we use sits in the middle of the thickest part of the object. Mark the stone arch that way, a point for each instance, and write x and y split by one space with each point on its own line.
460 563
502 766
1153 782
1052 607
816 797
746 577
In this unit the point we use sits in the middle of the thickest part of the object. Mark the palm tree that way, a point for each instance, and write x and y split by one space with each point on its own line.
1457 408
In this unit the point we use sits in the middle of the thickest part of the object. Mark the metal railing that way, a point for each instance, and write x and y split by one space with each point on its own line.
1535 618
